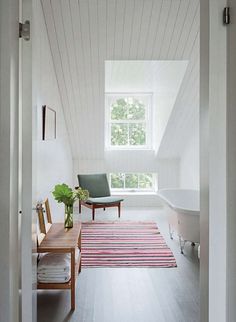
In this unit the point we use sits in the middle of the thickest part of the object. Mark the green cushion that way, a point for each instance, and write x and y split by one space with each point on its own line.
96 184
104 200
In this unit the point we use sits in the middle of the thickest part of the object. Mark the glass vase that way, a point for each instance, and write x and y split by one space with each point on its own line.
68 216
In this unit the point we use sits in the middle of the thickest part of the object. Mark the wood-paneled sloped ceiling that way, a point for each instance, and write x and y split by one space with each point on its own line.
83 34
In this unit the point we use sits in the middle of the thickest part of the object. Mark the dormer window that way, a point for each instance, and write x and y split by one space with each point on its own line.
128 121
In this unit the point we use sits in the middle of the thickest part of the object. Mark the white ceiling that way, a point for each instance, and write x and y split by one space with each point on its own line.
157 76
83 34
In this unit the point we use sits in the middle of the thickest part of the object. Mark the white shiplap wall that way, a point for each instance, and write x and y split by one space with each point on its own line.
184 120
83 34
53 161
189 164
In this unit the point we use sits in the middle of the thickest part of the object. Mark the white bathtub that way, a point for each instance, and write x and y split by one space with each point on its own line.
183 213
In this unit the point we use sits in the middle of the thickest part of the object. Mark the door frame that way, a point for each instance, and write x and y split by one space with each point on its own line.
9 94
204 158
209 169
214 162
28 225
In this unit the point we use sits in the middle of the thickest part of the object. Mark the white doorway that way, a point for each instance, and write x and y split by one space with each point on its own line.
9 181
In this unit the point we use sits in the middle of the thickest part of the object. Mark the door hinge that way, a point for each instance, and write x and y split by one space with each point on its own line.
226 16
24 30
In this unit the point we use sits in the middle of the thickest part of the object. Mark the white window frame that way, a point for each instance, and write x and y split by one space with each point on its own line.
134 190
110 98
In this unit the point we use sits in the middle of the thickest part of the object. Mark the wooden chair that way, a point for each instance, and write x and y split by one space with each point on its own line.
99 193
48 217
44 219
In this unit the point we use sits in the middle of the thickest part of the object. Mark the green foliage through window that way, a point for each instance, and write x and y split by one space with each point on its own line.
137 134
132 181
119 134
128 108
128 118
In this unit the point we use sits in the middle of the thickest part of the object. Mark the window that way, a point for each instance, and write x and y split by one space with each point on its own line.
133 182
128 121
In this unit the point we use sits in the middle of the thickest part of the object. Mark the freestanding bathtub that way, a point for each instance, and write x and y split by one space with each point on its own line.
183 213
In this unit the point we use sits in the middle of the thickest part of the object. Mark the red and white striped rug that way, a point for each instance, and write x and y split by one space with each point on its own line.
124 244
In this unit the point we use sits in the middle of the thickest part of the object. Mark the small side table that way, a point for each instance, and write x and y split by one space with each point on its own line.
61 240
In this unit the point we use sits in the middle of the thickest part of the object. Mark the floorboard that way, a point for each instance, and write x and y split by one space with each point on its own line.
130 294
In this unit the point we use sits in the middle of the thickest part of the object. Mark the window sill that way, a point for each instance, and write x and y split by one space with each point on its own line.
136 193
128 149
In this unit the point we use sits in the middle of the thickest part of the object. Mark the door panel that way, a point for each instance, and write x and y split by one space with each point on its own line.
231 165
9 71
28 234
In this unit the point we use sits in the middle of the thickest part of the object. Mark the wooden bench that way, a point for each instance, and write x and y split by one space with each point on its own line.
60 240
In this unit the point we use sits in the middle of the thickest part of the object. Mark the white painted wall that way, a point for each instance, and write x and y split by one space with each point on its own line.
134 161
189 163
54 158
168 173
166 89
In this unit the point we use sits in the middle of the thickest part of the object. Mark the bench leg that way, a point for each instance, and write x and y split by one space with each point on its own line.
72 279
93 213
119 210
79 247
72 298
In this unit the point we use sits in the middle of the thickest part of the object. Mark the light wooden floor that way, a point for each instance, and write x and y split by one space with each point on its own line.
130 294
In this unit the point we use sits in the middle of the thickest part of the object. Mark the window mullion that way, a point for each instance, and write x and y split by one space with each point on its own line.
109 135
128 136
145 123
128 121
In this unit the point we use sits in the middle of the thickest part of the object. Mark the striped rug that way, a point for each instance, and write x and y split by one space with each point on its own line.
124 244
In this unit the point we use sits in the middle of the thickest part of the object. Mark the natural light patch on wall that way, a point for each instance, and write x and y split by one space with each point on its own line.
167 85
159 79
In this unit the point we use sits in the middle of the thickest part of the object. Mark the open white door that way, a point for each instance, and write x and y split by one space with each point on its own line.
218 164
231 166
28 226
9 75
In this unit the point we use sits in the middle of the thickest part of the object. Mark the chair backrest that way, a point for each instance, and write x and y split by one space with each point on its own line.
44 220
96 184
41 229
47 215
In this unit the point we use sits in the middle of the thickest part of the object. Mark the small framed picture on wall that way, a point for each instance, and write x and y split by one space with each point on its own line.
48 123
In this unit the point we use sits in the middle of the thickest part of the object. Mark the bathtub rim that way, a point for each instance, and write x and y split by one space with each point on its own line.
181 210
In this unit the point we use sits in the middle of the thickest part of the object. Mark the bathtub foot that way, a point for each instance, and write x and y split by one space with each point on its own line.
170 232
181 244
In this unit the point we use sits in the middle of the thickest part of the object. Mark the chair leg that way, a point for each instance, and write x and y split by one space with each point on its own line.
119 210
104 209
79 207
93 213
